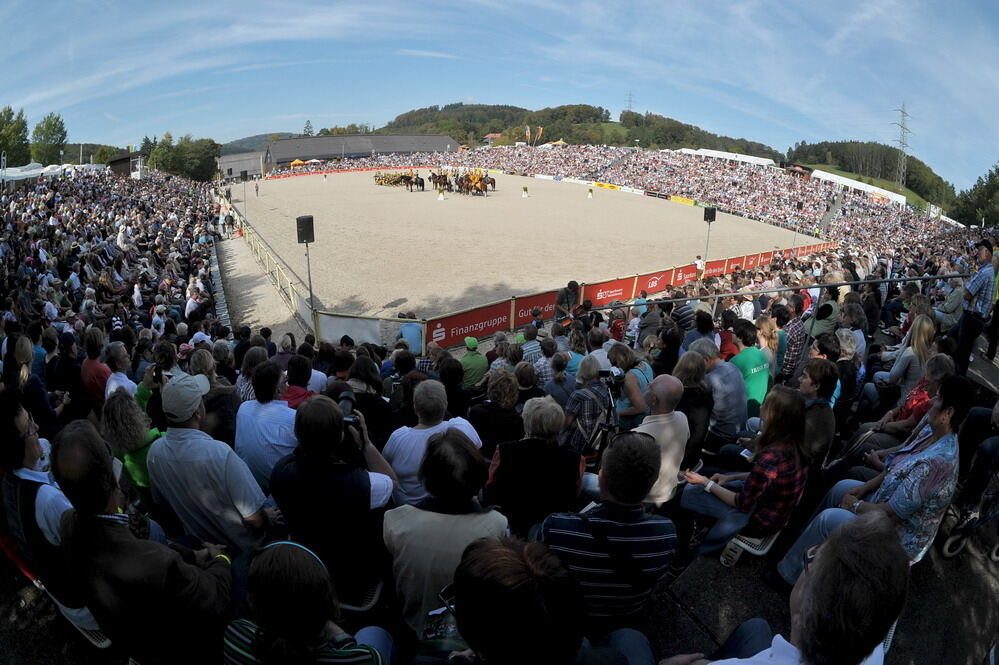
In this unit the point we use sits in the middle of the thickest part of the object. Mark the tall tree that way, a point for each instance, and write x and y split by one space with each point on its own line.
980 204
48 139
14 137
105 154
147 145
307 130
164 156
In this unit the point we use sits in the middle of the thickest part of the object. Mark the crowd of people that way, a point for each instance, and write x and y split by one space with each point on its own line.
201 494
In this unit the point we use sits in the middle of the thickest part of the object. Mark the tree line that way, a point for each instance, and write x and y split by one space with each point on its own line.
46 145
979 205
876 160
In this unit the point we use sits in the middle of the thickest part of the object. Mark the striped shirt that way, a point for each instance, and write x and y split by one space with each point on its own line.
239 647
617 554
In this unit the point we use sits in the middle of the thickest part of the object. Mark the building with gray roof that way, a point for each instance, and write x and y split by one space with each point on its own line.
284 151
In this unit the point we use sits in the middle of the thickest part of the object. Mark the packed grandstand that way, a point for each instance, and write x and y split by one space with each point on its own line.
187 490
773 195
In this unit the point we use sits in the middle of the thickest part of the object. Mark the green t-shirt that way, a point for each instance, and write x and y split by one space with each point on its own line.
475 366
755 369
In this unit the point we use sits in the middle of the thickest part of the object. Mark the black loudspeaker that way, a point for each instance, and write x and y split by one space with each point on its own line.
242 176
800 205
709 214
305 230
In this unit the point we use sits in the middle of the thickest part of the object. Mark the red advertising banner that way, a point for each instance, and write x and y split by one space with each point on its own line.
684 274
524 304
655 282
451 330
734 264
766 258
602 293
714 268
751 261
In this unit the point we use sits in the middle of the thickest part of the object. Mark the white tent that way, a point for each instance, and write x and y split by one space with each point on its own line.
871 190
731 156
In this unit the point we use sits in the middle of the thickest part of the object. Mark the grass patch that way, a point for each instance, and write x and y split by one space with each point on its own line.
914 199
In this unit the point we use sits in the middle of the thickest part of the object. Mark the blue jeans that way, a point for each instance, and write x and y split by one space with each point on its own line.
632 644
749 639
824 521
379 639
730 520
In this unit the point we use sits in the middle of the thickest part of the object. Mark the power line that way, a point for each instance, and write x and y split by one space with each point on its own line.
903 143
630 99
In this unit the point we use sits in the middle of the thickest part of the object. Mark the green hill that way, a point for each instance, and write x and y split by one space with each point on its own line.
573 123
876 161
252 143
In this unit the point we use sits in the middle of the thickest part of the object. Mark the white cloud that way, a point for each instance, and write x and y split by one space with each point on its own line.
419 53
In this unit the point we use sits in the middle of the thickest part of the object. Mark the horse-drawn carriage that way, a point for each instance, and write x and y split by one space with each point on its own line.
410 180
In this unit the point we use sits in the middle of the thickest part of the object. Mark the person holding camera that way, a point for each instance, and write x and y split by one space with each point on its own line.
335 483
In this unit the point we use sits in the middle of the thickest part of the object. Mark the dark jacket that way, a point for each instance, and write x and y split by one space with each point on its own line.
696 404
153 605
495 425
531 479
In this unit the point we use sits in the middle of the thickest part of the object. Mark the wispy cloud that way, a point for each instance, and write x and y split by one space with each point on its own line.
420 53
272 65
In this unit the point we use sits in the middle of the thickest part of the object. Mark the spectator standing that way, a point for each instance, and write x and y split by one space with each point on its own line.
752 364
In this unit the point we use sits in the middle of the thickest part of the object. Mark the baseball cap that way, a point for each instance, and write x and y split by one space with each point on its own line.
182 396
200 337
984 243
471 343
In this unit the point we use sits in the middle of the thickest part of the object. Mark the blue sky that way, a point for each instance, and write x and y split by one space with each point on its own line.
776 72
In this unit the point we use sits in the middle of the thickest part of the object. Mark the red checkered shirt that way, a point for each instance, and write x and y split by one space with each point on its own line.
774 487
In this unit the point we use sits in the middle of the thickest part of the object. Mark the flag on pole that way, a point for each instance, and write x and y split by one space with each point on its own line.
540 130
527 131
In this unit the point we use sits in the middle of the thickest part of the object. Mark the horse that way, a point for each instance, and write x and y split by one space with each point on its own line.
479 187
489 180
417 182
406 180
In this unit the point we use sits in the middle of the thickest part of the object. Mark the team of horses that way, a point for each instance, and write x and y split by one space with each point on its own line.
468 183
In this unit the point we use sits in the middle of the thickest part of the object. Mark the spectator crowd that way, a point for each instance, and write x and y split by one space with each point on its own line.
202 494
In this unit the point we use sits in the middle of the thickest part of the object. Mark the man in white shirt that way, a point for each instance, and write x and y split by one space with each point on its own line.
842 606
208 486
117 361
265 427
670 430
597 337
405 448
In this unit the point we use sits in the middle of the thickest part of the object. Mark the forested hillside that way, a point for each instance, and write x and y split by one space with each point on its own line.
876 160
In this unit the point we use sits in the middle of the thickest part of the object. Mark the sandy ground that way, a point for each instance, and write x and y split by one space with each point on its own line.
380 250
253 300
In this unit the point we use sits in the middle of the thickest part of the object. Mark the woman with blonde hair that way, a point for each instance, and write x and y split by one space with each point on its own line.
17 376
766 331
129 431
908 367
631 407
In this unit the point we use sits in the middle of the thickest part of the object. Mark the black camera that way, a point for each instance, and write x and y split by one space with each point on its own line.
613 378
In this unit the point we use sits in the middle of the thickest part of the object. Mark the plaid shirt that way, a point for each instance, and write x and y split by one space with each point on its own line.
981 287
773 488
423 364
587 404
543 368
796 338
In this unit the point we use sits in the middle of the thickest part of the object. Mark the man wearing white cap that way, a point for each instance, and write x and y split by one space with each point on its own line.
208 486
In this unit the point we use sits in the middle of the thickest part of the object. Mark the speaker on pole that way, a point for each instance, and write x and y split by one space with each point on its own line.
709 214
243 176
306 233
